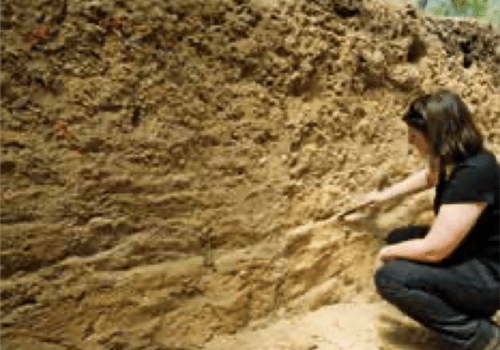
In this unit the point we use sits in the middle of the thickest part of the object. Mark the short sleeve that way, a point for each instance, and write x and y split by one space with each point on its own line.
473 182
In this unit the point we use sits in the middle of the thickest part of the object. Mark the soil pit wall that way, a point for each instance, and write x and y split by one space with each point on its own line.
161 161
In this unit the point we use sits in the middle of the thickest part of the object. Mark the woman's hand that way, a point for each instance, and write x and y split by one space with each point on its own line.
379 262
381 258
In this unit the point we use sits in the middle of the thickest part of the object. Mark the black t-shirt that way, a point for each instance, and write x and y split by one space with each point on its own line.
475 179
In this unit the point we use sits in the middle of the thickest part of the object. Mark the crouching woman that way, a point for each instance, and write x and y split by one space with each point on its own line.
447 276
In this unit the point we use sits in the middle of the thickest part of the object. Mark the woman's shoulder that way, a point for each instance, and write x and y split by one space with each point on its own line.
478 177
479 169
484 160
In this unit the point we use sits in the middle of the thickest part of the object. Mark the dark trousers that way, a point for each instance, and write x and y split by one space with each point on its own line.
455 299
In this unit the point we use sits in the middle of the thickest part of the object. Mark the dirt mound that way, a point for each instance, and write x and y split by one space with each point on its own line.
159 158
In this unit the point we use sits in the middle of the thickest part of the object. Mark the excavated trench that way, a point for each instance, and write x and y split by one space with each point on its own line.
163 163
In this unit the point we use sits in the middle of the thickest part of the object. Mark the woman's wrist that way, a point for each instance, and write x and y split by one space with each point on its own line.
384 253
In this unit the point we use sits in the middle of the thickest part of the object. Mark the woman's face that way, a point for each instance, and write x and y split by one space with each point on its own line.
417 139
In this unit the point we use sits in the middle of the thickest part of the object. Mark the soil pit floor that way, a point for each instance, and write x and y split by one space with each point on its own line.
346 326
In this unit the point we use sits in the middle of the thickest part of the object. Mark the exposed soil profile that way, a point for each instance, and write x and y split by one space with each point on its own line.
163 165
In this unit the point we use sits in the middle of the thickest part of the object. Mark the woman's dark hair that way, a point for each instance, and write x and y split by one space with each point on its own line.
447 124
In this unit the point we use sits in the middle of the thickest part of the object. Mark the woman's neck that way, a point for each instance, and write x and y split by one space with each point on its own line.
437 167
435 164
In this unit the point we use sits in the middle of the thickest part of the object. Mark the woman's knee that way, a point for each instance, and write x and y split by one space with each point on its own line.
402 234
397 235
386 278
396 275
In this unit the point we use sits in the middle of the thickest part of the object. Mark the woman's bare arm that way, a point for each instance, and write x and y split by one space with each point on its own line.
414 183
